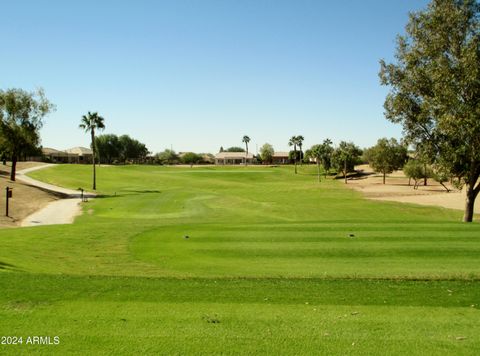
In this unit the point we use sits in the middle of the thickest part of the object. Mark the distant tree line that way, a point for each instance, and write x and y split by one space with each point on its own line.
170 157
111 149
235 148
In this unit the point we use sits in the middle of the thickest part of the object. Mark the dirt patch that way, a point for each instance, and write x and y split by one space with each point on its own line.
26 199
397 189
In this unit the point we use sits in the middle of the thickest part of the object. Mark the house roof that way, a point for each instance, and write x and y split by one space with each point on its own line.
47 151
233 155
280 154
81 151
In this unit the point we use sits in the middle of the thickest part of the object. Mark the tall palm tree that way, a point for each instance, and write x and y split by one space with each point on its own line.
246 140
90 123
300 144
293 142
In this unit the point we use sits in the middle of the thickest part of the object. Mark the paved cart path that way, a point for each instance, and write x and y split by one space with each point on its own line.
62 211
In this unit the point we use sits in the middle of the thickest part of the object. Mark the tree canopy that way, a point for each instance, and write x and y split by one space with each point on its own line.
322 154
435 88
386 156
234 149
167 157
345 157
416 170
21 118
191 158
266 153
112 148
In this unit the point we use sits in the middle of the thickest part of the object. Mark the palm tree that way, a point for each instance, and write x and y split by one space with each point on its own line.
316 152
300 144
293 142
92 122
246 140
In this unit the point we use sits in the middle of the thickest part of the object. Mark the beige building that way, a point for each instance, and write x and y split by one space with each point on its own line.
56 156
233 158
72 155
280 158
85 155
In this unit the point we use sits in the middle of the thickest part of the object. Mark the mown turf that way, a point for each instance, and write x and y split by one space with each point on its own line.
273 263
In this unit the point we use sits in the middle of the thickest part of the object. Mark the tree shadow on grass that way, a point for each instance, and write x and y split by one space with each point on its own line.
357 175
52 192
128 193
7 266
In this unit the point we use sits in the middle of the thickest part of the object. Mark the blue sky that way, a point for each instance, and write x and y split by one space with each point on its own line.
200 74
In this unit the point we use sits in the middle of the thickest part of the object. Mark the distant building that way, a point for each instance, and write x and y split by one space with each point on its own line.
280 158
223 158
85 155
72 155
56 156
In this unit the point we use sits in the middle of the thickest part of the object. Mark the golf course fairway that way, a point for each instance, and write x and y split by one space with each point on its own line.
239 260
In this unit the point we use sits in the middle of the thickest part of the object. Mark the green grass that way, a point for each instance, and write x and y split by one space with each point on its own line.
269 267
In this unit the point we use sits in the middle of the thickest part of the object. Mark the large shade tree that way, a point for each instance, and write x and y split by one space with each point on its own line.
322 154
111 148
416 170
386 156
344 158
167 157
90 123
107 148
132 149
266 153
326 155
21 118
191 158
435 89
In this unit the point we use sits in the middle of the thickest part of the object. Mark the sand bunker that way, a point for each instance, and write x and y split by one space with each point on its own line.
397 189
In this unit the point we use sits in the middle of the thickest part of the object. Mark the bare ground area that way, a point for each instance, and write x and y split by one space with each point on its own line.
397 189
26 199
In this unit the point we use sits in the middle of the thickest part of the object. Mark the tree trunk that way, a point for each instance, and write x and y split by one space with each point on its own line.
446 188
345 171
425 178
384 174
14 167
472 193
295 158
469 204
93 161
246 153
